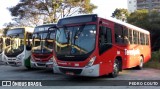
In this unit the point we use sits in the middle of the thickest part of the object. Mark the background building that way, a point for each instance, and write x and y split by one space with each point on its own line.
148 4
131 5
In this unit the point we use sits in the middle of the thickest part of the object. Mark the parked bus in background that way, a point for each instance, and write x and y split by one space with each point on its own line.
18 46
1 47
88 45
42 48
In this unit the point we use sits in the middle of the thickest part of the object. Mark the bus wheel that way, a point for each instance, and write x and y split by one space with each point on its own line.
140 66
115 71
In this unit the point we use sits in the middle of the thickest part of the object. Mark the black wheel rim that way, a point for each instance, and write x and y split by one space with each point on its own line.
115 68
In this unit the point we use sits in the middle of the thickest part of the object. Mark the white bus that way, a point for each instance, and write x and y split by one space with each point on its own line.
42 48
18 46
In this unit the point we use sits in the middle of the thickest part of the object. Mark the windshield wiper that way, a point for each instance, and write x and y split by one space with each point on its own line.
47 42
40 37
76 36
67 34
78 33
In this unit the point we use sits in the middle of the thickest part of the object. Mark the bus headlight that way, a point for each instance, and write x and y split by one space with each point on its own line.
54 61
20 57
90 63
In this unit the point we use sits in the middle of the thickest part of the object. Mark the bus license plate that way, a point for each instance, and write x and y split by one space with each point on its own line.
69 73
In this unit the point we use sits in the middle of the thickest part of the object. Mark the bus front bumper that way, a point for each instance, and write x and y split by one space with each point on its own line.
14 62
92 71
41 64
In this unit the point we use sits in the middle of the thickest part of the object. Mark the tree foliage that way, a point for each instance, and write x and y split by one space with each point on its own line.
144 19
139 18
7 27
120 14
28 12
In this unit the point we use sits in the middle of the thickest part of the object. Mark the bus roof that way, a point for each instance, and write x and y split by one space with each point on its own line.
112 20
44 27
46 24
27 29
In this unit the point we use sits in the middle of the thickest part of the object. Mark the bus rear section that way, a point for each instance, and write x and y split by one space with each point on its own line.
42 48
93 46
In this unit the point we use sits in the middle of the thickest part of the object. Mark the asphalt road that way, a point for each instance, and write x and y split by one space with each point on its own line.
19 73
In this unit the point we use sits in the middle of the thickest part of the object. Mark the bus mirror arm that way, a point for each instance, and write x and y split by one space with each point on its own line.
52 28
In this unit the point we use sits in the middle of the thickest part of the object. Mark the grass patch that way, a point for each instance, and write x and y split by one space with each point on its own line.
154 62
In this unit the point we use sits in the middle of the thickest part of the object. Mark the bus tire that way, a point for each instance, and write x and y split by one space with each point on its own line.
140 66
116 68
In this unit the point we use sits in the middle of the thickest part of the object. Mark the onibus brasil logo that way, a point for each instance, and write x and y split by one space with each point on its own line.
21 83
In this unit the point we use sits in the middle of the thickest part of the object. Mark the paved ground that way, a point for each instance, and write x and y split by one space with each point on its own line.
17 73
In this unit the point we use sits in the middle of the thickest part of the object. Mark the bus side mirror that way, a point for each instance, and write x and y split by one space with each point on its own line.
53 28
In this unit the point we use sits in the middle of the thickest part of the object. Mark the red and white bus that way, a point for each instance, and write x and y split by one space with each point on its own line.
42 48
88 45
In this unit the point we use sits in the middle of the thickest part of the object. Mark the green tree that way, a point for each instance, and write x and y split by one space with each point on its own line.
7 27
120 14
139 18
144 19
29 12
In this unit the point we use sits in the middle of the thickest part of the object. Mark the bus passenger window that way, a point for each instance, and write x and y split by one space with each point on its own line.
126 35
105 39
142 39
118 34
130 36
126 40
135 37
147 40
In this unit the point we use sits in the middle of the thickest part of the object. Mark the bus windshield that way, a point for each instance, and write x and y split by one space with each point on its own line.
43 42
14 44
75 40
1 45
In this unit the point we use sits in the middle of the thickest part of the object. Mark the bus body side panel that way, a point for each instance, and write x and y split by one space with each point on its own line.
27 58
129 54
106 62
131 58
27 53
106 59
146 52
133 54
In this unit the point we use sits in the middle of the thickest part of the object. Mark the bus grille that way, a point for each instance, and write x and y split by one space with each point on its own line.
41 64
75 71
41 56
11 59
11 63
